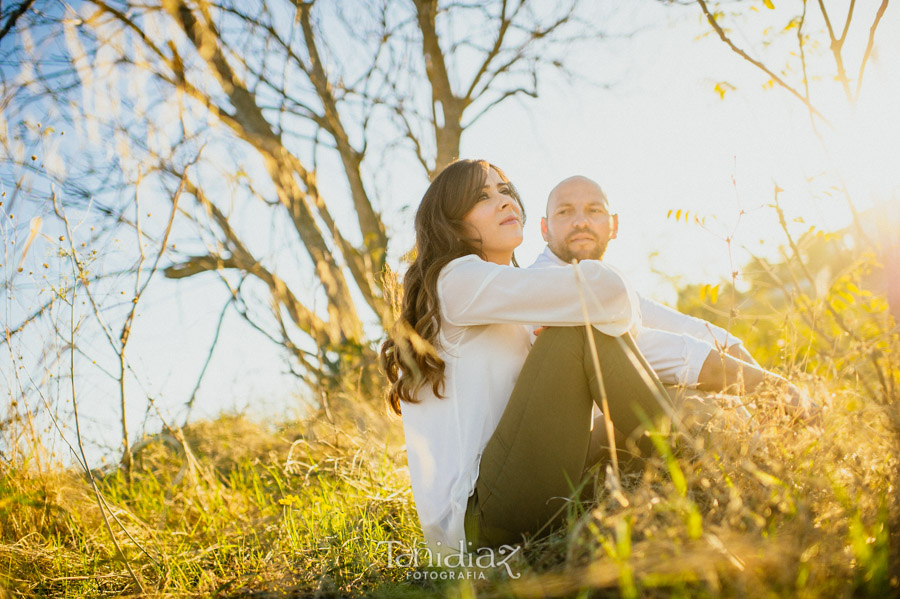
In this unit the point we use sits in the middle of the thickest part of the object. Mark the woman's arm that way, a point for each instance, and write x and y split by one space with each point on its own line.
474 292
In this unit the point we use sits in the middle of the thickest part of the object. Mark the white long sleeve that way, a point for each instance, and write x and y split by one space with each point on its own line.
475 292
657 316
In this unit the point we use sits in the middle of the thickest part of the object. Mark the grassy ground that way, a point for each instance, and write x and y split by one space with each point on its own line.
760 509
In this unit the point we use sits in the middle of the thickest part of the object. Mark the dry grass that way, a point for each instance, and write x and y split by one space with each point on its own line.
257 509
748 509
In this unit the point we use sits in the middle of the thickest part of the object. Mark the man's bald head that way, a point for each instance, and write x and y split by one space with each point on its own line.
577 185
578 225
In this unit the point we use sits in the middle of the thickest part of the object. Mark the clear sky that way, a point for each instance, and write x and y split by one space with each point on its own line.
658 138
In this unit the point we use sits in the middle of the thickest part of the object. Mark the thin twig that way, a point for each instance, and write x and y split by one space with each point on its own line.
837 45
802 46
76 268
139 289
190 401
869 46
722 35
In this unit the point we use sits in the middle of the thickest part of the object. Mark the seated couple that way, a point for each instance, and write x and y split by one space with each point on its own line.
498 420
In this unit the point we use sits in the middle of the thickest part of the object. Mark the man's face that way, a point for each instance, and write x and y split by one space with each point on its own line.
578 225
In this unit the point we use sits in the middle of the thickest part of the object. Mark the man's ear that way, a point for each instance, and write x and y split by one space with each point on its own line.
544 227
614 230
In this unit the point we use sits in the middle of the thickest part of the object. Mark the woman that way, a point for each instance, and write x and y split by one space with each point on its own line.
498 431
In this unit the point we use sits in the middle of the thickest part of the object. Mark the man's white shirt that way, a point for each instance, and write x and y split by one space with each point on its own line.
675 345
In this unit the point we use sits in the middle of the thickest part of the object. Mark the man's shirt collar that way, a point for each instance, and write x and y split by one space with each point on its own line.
547 257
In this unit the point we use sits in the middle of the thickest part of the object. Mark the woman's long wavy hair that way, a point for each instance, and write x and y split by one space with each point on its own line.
408 357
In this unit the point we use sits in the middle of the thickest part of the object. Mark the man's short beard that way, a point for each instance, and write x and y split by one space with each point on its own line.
566 255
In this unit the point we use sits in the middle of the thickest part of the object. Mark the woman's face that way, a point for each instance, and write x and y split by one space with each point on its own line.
496 220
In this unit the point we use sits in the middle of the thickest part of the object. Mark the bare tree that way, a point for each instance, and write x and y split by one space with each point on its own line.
297 104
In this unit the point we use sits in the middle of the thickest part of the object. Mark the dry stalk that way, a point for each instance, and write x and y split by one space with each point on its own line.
76 271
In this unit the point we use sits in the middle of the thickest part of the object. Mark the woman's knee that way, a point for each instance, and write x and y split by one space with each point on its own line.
575 337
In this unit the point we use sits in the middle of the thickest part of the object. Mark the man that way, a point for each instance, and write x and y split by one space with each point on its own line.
681 349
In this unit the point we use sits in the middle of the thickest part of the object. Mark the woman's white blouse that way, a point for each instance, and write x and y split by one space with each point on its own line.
484 339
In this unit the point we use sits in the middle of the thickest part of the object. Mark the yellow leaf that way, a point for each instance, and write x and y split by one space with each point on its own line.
678 214
669 214
769 4
714 294
722 87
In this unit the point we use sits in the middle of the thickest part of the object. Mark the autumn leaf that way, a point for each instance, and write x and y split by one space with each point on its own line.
722 87
769 4
709 291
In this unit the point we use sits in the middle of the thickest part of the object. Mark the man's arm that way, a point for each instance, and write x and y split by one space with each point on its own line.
722 372
740 352
657 316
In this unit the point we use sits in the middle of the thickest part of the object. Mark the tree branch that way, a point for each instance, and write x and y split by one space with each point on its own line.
507 94
14 16
495 49
303 317
869 46
448 134
837 45
282 166
520 51
371 227
721 33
